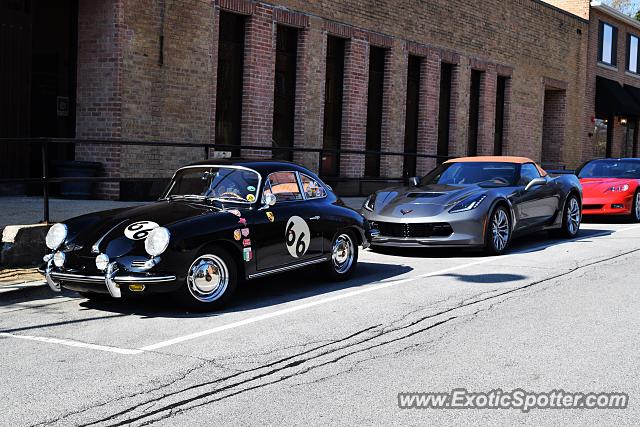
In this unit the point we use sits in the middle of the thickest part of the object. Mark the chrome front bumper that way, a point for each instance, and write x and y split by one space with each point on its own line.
111 279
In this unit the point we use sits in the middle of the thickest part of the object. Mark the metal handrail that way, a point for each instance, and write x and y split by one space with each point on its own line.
46 179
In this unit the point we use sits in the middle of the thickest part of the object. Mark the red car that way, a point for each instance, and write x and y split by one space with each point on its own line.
611 187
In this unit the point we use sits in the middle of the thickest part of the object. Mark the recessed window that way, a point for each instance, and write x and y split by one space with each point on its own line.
608 44
632 53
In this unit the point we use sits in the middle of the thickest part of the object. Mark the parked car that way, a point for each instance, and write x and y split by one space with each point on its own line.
475 202
611 187
215 225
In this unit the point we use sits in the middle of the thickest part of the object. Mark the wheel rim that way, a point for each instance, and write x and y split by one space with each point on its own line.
208 278
500 230
573 216
638 206
343 253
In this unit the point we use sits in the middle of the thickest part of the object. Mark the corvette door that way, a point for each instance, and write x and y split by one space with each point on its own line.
288 232
537 205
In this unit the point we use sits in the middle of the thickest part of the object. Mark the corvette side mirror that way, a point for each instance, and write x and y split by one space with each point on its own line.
535 183
414 181
269 199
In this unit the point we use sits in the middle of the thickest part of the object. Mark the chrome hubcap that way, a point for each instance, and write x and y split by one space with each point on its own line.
208 278
342 254
573 216
638 206
500 229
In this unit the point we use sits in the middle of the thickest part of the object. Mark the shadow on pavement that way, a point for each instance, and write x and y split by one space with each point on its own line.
524 244
275 290
486 278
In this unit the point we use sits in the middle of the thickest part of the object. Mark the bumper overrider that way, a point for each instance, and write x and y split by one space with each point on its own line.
113 278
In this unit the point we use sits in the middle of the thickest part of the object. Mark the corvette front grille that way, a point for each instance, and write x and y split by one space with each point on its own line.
408 230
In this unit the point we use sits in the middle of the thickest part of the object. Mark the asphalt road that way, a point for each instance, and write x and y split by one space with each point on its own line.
294 350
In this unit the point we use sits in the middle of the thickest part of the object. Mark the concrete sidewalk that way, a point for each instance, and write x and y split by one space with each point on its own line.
15 279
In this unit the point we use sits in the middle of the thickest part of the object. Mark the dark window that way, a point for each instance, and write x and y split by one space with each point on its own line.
411 118
528 172
333 105
374 110
499 122
474 112
285 91
632 53
444 115
607 44
230 76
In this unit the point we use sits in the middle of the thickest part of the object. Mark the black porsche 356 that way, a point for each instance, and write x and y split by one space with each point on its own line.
215 225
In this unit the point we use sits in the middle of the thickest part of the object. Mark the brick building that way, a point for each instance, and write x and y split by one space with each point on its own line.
443 77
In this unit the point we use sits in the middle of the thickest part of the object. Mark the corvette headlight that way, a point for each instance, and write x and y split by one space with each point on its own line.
619 188
468 204
370 203
56 236
157 241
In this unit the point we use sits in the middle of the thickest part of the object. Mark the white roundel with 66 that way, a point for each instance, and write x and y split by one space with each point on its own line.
297 236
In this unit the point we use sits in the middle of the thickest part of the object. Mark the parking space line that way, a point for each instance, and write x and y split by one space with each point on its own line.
350 294
70 343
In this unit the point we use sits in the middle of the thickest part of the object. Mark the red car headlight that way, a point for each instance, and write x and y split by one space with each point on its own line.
619 188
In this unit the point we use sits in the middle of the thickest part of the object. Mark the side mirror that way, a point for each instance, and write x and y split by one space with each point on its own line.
535 183
414 181
269 199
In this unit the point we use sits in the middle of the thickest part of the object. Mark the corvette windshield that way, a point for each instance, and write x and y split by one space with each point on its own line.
224 183
611 169
480 173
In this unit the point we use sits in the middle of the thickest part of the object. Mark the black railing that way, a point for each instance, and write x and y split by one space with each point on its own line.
349 185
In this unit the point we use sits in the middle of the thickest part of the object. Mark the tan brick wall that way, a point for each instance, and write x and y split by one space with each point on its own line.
577 7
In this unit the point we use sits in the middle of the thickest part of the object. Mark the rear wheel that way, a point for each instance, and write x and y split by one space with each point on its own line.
344 257
498 234
635 208
571 219
211 281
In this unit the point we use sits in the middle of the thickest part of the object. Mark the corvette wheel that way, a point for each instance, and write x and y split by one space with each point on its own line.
211 281
498 232
571 219
344 257
635 209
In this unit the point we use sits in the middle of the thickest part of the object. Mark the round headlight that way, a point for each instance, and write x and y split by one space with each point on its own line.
102 262
157 241
56 236
58 259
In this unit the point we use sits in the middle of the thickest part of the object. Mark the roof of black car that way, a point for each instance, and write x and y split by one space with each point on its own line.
262 166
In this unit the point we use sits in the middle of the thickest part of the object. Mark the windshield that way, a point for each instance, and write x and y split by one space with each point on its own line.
611 169
224 183
485 173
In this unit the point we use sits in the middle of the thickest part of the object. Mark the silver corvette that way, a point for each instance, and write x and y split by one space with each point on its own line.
476 202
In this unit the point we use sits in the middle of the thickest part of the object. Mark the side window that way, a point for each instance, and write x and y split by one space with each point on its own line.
528 172
284 186
312 189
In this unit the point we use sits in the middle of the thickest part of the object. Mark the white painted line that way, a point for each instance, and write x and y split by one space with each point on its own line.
350 294
72 343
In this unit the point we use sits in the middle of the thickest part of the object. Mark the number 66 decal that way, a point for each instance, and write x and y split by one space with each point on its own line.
140 230
297 236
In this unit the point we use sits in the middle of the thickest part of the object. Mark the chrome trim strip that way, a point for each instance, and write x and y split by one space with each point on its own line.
95 249
100 279
55 286
289 267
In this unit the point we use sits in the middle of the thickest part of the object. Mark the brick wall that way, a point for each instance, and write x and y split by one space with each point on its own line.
618 74
175 100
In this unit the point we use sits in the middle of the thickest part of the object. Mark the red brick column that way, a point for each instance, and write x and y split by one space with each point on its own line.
99 86
214 72
394 109
428 110
458 123
310 86
507 132
487 113
354 111
258 84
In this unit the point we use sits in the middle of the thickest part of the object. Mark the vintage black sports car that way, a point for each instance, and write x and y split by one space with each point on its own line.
216 224
476 202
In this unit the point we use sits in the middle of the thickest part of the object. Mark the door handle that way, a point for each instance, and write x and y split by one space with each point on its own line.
314 218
